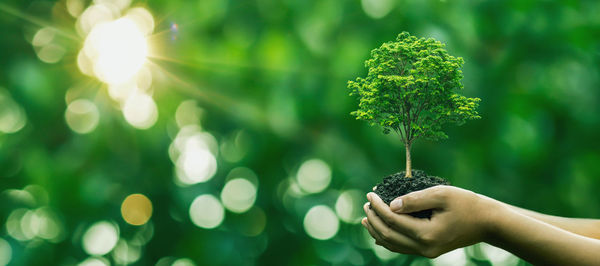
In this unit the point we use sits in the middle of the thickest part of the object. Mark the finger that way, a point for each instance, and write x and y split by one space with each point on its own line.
387 233
372 232
401 222
430 198
383 243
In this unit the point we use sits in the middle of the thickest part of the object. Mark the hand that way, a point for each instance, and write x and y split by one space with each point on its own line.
460 218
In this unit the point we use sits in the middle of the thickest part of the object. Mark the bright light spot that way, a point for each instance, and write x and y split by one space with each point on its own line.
196 166
27 224
314 176
193 136
94 261
5 252
118 50
193 153
43 36
100 238
144 79
85 64
51 53
30 224
136 209
377 8
20 196
183 262
122 92
142 18
49 225
321 223
126 253
454 257
93 16
498 256
188 113
75 7
238 195
348 206
13 225
12 116
118 4
206 211
243 172
140 111
82 116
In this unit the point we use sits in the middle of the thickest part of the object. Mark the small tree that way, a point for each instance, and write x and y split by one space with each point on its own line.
410 89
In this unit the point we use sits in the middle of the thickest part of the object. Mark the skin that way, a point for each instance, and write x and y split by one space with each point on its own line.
462 218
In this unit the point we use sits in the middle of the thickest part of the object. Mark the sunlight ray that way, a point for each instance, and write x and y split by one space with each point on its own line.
36 21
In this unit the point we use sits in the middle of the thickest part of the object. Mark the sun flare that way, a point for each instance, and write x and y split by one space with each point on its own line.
118 50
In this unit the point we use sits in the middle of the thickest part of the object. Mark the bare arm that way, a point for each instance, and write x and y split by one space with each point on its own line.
463 218
583 227
541 243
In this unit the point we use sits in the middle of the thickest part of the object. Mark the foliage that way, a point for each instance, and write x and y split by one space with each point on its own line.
410 89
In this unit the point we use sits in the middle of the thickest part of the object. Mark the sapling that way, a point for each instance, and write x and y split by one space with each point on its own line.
411 88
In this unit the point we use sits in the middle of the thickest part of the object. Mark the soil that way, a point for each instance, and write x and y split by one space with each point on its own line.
397 184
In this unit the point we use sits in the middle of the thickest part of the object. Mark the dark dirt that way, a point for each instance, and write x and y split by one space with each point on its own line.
397 184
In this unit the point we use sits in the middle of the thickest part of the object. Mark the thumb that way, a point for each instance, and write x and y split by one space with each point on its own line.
430 198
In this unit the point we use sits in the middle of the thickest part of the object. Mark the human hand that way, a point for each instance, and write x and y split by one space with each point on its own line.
460 218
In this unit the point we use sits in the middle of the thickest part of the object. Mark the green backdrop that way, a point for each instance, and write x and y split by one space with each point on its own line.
261 86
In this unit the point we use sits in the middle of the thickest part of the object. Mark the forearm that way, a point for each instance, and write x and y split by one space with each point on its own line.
584 227
538 242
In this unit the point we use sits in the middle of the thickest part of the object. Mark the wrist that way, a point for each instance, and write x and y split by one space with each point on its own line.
493 214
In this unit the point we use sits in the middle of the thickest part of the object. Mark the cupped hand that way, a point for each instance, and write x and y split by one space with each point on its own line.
460 218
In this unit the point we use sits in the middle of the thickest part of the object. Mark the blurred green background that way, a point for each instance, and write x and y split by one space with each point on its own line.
239 137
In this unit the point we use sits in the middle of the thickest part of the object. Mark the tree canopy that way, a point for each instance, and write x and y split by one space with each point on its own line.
411 88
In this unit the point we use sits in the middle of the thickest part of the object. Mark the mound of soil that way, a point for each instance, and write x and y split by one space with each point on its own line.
397 184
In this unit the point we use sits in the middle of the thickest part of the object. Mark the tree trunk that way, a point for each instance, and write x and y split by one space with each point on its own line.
408 161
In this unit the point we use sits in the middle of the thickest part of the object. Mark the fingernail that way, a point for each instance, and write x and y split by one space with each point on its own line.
369 196
396 204
366 207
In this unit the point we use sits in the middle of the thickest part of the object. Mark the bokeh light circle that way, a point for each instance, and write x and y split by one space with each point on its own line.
126 253
183 262
348 206
100 238
92 16
136 209
94 261
5 252
142 18
321 222
238 195
193 152
140 111
377 8
75 7
14 225
51 53
314 176
12 115
82 116
206 211
43 36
